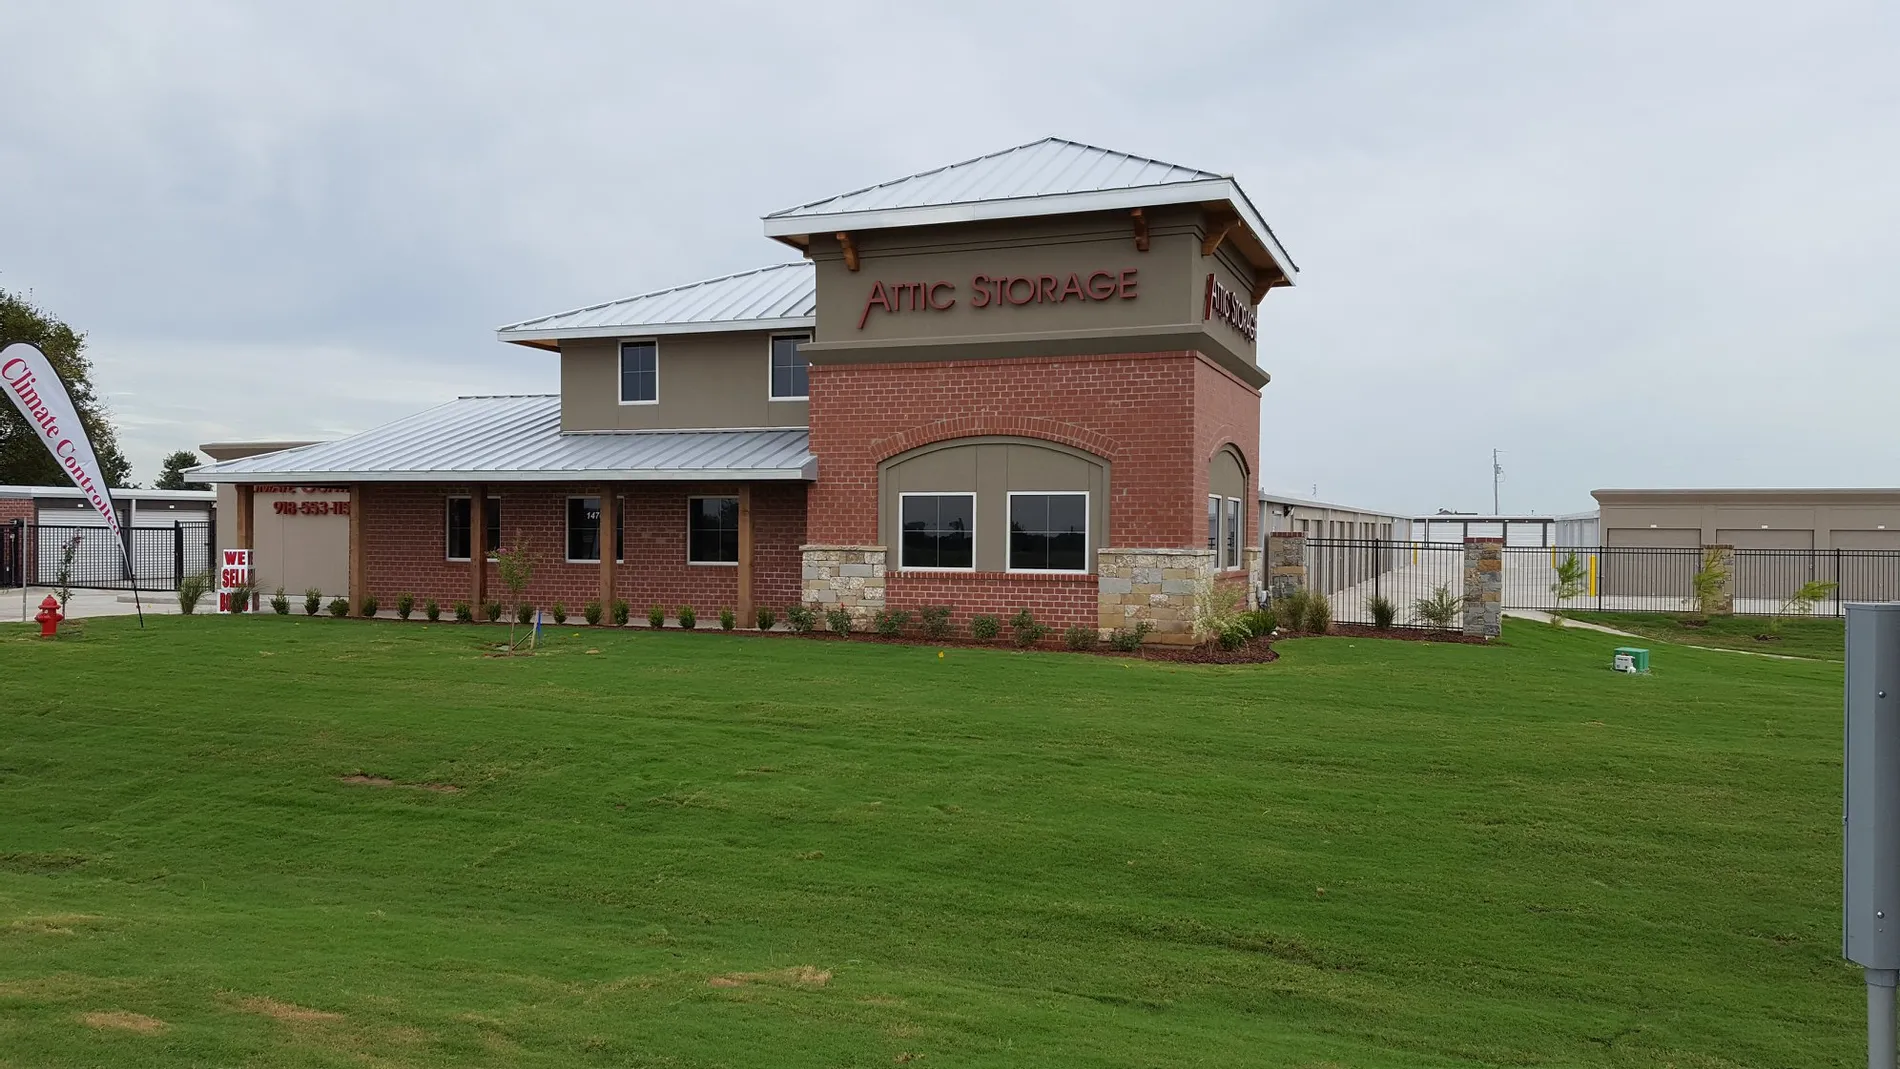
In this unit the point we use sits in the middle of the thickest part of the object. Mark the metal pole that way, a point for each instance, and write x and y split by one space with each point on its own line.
1881 1034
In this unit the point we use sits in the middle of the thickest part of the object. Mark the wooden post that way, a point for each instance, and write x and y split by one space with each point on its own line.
246 518
477 548
608 499
745 556
359 583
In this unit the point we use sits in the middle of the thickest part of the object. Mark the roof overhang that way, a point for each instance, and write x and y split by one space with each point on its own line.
548 339
796 230
806 472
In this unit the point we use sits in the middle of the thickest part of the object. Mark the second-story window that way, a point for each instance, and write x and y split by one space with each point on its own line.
639 372
789 379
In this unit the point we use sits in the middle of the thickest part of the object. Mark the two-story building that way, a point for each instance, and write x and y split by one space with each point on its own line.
1027 380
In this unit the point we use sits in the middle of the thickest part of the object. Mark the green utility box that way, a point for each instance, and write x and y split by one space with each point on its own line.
1631 659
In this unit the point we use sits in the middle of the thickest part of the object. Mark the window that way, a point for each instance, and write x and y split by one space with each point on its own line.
583 530
938 530
639 372
1233 533
1213 523
1048 532
789 369
458 526
712 530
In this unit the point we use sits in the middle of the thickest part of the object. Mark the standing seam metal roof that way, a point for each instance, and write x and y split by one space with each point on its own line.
783 295
519 439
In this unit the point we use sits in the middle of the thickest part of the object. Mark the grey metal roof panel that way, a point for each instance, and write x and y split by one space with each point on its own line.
769 298
519 439
1047 177
1043 168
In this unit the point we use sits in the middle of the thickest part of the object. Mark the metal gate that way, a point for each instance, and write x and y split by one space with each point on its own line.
12 560
85 556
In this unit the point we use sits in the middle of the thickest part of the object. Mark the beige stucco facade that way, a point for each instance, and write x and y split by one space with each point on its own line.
705 380
1752 519
1070 284
991 468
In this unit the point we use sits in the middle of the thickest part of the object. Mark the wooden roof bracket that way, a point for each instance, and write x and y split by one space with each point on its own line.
1217 232
1141 230
850 250
1260 288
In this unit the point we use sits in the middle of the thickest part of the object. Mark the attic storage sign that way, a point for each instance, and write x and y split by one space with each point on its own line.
995 291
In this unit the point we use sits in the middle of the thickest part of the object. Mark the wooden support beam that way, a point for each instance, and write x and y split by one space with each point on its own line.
1217 231
1141 229
477 548
1260 289
608 499
745 609
246 518
850 250
359 570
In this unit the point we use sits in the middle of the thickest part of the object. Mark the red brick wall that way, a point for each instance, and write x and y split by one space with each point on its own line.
1227 412
1060 601
405 532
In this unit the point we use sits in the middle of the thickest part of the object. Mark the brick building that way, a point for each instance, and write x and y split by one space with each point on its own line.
1024 380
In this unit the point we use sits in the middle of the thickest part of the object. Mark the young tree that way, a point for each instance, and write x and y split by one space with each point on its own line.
24 460
1570 577
516 565
173 477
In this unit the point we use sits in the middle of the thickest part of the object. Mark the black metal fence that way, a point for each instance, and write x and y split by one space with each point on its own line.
1351 572
1657 579
35 554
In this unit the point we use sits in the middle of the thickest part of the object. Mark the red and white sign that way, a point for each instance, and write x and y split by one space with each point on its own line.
234 572
36 390
1234 309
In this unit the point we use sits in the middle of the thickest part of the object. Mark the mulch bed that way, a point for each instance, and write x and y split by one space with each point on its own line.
1257 651
1410 634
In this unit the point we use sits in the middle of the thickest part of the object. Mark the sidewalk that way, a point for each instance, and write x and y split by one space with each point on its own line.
85 603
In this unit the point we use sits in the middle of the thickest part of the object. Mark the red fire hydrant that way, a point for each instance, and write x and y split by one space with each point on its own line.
49 617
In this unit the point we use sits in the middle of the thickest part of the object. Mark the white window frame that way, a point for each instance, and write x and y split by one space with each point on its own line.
971 494
690 498
1088 521
472 539
1220 527
620 368
567 531
769 368
1233 535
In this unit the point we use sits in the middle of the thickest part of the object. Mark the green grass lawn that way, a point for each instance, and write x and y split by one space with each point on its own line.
707 850
1824 637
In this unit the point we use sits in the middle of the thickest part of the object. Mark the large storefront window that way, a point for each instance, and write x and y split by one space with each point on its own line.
583 530
1048 532
939 531
458 518
1213 523
712 530
1233 534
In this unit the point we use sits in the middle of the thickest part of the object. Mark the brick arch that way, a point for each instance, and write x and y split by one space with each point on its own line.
1050 430
1223 441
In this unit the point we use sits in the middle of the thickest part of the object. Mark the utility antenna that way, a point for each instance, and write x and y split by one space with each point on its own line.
1497 476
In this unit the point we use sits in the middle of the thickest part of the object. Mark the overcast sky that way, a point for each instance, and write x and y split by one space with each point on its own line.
1630 244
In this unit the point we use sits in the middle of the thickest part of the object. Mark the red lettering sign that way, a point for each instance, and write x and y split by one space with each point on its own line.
1230 308
991 291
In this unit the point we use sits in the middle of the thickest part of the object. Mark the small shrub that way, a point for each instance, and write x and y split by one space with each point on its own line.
312 601
463 613
656 617
191 590
591 612
935 620
1128 639
369 605
524 613
1260 622
339 607
559 612
431 610
984 627
622 612
1080 638
688 618
241 597
1319 614
839 620
800 619
890 623
766 618
1290 607
1028 631
1383 611
492 610
280 604
405 604
1233 638
1217 609
727 620
1438 610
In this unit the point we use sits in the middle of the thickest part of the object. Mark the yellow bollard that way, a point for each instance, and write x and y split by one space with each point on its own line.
1593 575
